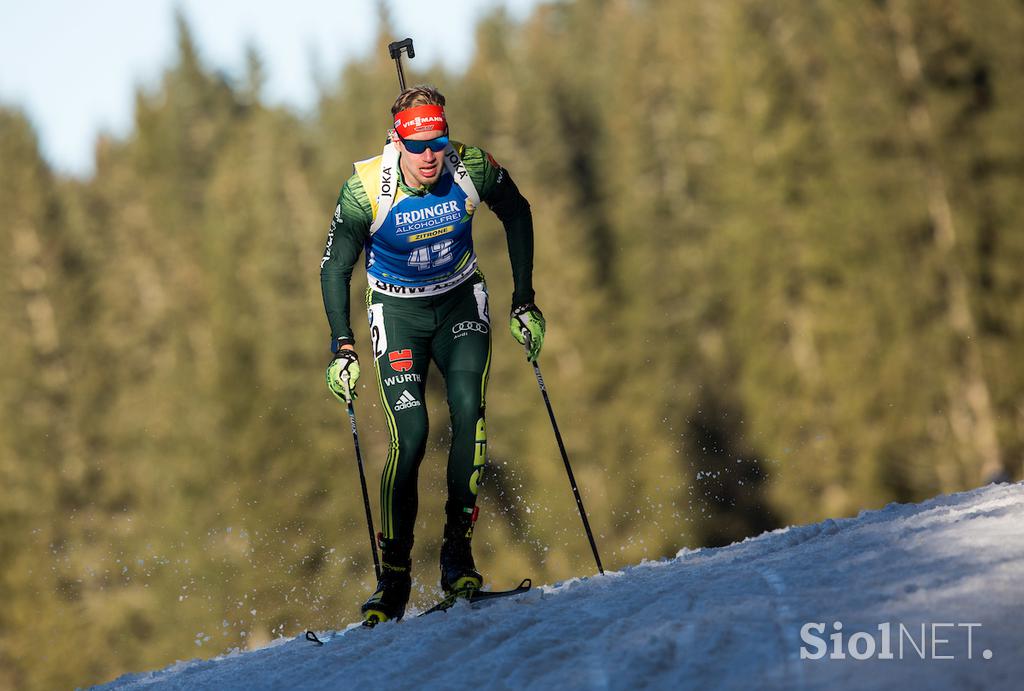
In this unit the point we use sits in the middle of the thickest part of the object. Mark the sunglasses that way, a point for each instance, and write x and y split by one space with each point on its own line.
418 146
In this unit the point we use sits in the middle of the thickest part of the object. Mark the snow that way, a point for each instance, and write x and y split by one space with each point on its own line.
948 571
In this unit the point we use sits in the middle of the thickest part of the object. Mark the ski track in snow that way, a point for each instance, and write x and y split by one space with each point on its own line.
710 618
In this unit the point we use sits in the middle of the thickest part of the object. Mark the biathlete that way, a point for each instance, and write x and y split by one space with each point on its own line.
411 210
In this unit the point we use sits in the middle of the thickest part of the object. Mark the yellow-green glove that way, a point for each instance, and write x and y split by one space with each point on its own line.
528 319
342 375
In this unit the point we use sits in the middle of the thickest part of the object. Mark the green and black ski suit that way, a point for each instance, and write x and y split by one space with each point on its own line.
427 300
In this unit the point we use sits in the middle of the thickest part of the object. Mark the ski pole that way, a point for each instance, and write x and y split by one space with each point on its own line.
565 456
395 50
362 478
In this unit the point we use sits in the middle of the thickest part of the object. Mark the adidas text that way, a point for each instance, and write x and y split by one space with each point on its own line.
406 400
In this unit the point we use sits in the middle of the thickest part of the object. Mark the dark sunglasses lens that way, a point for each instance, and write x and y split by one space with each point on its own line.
419 146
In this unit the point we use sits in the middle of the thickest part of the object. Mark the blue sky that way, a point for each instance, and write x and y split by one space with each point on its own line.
73 66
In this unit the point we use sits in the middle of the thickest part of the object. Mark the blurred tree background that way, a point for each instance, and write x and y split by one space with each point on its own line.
775 246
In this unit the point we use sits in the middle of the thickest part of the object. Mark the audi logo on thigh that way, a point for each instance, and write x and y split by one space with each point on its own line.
470 326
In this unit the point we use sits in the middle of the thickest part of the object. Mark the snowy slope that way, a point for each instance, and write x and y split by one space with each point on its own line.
712 618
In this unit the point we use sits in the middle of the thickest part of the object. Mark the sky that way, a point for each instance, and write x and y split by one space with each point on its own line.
73 66
913 596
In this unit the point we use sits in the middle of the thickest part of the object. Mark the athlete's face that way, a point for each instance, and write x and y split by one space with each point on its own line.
423 169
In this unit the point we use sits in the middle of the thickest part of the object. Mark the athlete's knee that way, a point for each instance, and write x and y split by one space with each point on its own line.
465 397
411 448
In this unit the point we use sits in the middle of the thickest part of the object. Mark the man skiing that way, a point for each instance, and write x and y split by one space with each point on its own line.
411 209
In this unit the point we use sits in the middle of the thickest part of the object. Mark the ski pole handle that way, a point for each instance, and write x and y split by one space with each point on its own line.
344 382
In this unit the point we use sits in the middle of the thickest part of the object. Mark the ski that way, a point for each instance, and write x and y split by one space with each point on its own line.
478 596
474 598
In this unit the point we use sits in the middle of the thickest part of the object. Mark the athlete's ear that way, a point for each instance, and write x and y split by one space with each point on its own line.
393 135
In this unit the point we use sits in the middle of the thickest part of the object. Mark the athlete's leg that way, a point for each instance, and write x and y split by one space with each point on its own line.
400 330
462 350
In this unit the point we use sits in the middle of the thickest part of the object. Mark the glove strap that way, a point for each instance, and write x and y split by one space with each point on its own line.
337 343
524 308
346 354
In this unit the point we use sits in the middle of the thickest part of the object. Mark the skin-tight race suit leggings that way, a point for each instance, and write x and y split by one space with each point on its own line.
453 330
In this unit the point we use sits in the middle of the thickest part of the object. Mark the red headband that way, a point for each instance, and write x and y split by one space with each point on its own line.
420 119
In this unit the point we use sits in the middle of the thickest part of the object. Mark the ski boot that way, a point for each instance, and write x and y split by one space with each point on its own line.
458 572
392 594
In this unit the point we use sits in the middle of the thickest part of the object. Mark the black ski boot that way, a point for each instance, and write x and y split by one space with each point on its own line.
393 586
458 572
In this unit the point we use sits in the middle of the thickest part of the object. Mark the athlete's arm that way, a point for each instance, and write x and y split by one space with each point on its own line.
350 228
510 206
